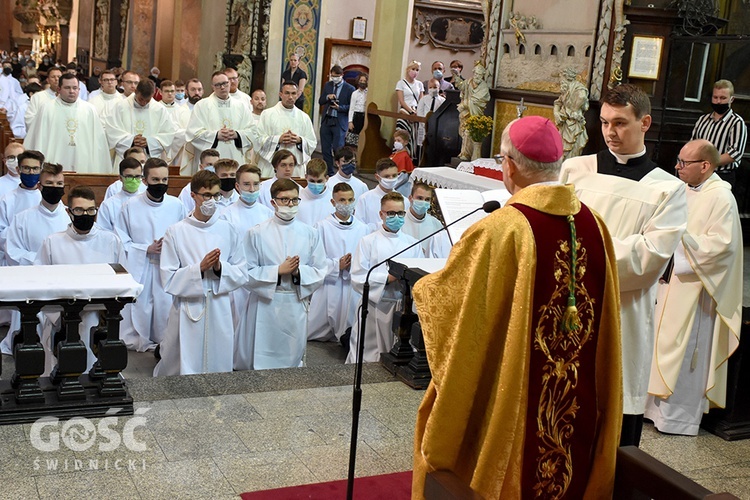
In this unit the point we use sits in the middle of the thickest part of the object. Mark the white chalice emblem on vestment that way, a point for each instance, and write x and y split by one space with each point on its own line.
140 127
72 125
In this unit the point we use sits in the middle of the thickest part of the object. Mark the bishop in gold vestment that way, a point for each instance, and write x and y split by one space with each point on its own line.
523 339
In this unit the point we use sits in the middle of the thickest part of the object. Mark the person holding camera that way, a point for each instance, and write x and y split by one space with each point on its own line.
334 117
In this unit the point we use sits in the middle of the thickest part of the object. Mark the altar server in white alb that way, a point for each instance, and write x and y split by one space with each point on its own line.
136 153
418 223
69 132
244 214
316 196
285 126
222 123
645 210
385 289
30 227
141 227
208 159
333 306
25 195
131 176
286 264
226 170
140 121
345 160
82 242
368 205
10 180
202 262
699 311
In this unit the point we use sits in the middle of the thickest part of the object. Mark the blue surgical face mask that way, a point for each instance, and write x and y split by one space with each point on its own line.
316 188
29 180
348 168
394 223
420 207
437 74
209 168
179 96
249 197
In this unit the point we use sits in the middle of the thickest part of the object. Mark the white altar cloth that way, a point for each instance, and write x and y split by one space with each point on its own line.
80 282
450 178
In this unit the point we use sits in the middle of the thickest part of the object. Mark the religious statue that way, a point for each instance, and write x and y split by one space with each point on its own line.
245 72
569 110
475 94
101 37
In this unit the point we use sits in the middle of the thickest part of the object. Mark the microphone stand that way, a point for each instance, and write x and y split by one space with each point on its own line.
488 207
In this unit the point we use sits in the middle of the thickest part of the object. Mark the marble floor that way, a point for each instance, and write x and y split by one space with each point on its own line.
218 435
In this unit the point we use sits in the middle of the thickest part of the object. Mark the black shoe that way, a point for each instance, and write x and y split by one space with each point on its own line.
157 355
345 339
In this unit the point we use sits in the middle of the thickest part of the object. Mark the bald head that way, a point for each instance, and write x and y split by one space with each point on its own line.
697 161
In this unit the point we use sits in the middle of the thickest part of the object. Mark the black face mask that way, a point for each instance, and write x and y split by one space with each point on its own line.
720 108
157 191
83 222
227 184
7 71
52 194
362 85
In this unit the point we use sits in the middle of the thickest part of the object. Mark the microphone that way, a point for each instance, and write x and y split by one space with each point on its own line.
488 207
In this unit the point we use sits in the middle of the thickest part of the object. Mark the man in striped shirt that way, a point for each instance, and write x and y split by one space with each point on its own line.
725 129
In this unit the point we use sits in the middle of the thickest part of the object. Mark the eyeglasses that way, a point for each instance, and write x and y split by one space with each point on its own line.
287 201
233 78
208 196
130 82
499 159
110 80
80 211
131 177
220 85
682 163
30 170
391 213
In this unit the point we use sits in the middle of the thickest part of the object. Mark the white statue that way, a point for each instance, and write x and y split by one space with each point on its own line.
569 110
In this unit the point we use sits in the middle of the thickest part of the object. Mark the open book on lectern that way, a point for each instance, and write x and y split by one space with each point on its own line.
455 203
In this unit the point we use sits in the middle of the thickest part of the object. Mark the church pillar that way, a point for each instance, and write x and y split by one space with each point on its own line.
164 38
390 43
211 39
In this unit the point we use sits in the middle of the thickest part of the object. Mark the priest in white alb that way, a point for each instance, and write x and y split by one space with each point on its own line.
69 131
285 126
180 117
202 262
699 311
105 100
221 123
139 120
40 98
645 210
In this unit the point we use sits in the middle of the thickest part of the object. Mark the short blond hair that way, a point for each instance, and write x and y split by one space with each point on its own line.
725 84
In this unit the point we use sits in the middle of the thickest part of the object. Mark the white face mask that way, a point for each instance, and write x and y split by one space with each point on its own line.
208 207
345 211
336 79
287 213
389 183
397 146
433 92
12 164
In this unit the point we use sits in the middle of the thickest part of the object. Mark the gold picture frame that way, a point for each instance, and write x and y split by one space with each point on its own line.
645 57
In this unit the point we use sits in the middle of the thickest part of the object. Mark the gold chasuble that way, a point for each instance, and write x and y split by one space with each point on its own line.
526 392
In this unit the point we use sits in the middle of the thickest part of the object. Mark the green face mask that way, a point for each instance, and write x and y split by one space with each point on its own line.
131 185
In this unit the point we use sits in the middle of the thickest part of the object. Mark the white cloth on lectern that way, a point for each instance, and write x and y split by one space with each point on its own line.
384 296
70 134
334 305
273 333
276 121
200 332
69 247
141 222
